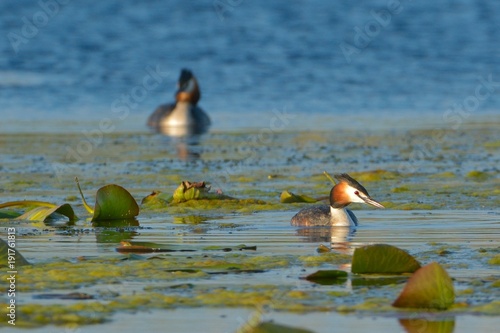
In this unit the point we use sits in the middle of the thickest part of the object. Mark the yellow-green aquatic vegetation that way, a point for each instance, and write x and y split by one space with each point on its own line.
400 189
149 247
32 315
271 327
383 259
289 197
375 175
12 255
112 202
429 288
495 260
194 191
327 277
40 210
478 175
332 258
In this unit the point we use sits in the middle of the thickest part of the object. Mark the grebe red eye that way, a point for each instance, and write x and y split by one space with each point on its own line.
356 192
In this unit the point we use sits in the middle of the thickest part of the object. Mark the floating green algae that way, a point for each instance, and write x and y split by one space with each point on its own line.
495 260
136 167
289 197
478 175
375 175
71 275
400 189
332 258
150 282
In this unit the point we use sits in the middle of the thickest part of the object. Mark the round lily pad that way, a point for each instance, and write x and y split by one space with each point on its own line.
430 288
114 202
327 277
383 259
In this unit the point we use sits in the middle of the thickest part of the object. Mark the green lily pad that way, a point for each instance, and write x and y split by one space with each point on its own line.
156 200
383 259
7 251
429 288
42 210
9 214
289 197
43 213
270 327
195 191
327 277
113 202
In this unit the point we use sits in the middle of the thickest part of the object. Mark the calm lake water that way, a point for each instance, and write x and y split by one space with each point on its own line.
78 60
419 232
370 68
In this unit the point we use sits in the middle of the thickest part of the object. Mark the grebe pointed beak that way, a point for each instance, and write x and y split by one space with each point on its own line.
372 202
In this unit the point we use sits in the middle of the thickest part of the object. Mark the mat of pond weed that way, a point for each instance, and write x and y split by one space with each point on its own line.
240 257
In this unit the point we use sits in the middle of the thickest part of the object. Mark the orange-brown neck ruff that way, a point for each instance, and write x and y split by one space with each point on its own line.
338 195
189 96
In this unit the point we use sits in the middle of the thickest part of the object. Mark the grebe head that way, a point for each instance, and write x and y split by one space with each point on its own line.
347 191
187 88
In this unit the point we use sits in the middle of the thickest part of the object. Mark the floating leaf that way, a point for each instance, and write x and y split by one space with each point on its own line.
189 191
156 199
270 327
424 325
383 259
323 249
9 214
327 277
289 197
6 251
113 202
429 288
42 211
194 191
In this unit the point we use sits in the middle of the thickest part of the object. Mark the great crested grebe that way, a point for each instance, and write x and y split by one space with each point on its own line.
183 116
345 192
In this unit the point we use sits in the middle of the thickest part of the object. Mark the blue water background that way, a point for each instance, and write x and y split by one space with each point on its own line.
250 56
